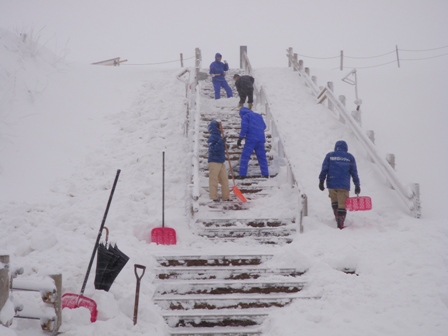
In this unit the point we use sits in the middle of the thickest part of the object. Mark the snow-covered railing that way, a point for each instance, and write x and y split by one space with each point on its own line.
410 194
49 288
262 102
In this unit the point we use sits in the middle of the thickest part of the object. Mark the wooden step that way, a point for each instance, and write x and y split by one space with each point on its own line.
217 331
212 260
223 273
229 287
212 319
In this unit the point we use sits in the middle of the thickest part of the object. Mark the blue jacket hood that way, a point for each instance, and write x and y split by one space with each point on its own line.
341 145
244 111
218 55
213 127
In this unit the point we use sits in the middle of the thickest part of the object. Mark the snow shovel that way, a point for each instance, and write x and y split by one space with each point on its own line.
163 235
358 203
235 189
71 300
137 289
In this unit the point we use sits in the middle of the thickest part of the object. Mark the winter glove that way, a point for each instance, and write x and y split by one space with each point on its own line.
225 62
321 185
357 190
238 144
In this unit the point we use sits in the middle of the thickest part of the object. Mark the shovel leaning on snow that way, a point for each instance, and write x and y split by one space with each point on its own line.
235 189
71 300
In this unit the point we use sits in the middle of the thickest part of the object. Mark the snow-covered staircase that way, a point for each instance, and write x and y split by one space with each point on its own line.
231 294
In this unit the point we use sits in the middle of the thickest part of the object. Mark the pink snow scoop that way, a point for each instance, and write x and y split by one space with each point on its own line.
358 203
71 300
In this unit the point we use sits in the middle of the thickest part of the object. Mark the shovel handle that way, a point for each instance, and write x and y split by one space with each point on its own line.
137 266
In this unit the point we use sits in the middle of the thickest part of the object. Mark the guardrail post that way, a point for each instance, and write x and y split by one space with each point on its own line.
330 104
243 49
356 114
390 158
300 65
371 135
416 212
4 284
295 61
314 79
289 57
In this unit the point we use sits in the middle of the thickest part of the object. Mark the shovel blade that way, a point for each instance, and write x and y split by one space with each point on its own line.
359 203
239 194
163 236
72 301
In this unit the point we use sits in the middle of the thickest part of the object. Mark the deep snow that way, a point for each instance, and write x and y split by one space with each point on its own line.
66 128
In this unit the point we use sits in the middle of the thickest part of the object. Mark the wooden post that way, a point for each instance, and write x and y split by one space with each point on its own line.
295 60
289 57
314 79
330 104
356 114
342 99
398 58
181 60
390 158
57 278
371 135
342 60
4 283
243 49
300 65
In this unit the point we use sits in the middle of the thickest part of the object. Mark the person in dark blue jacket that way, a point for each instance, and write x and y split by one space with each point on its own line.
252 129
216 158
218 72
337 168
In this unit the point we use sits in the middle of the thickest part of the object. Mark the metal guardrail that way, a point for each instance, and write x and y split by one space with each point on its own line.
411 194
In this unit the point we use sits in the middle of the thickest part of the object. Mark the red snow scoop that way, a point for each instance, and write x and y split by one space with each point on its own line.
358 203
235 189
71 300
163 235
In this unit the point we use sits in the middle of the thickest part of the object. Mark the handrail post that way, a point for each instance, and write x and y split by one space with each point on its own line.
4 284
243 49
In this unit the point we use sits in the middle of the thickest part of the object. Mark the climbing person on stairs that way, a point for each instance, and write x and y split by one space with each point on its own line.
337 168
245 87
217 173
218 72
252 130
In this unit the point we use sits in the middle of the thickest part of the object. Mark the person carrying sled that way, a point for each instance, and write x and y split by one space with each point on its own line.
245 87
252 130
217 173
218 72
337 168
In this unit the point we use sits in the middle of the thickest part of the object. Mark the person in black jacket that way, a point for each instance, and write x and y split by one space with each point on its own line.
216 158
245 87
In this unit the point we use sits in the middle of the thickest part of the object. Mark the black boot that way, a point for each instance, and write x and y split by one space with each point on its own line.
341 218
334 205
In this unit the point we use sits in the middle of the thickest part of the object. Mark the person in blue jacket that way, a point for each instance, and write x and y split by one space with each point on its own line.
216 158
252 129
218 72
337 168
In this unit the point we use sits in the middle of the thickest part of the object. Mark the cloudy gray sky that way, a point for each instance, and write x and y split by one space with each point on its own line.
153 31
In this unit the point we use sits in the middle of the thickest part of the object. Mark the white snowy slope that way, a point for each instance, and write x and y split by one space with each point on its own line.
65 129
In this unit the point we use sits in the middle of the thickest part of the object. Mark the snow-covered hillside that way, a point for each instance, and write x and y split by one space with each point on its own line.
66 128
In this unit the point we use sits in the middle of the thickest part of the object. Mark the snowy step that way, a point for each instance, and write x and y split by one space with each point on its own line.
212 260
221 288
223 273
207 319
244 223
227 331
231 301
236 233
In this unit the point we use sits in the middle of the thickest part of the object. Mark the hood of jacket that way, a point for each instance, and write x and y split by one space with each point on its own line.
217 55
244 111
213 127
341 145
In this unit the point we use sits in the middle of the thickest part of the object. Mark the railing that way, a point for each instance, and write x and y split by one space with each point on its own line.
411 194
277 144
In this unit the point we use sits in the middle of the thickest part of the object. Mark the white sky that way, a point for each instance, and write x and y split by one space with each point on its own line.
152 31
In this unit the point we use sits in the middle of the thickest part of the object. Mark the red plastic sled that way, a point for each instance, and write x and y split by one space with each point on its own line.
358 203
72 301
163 236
